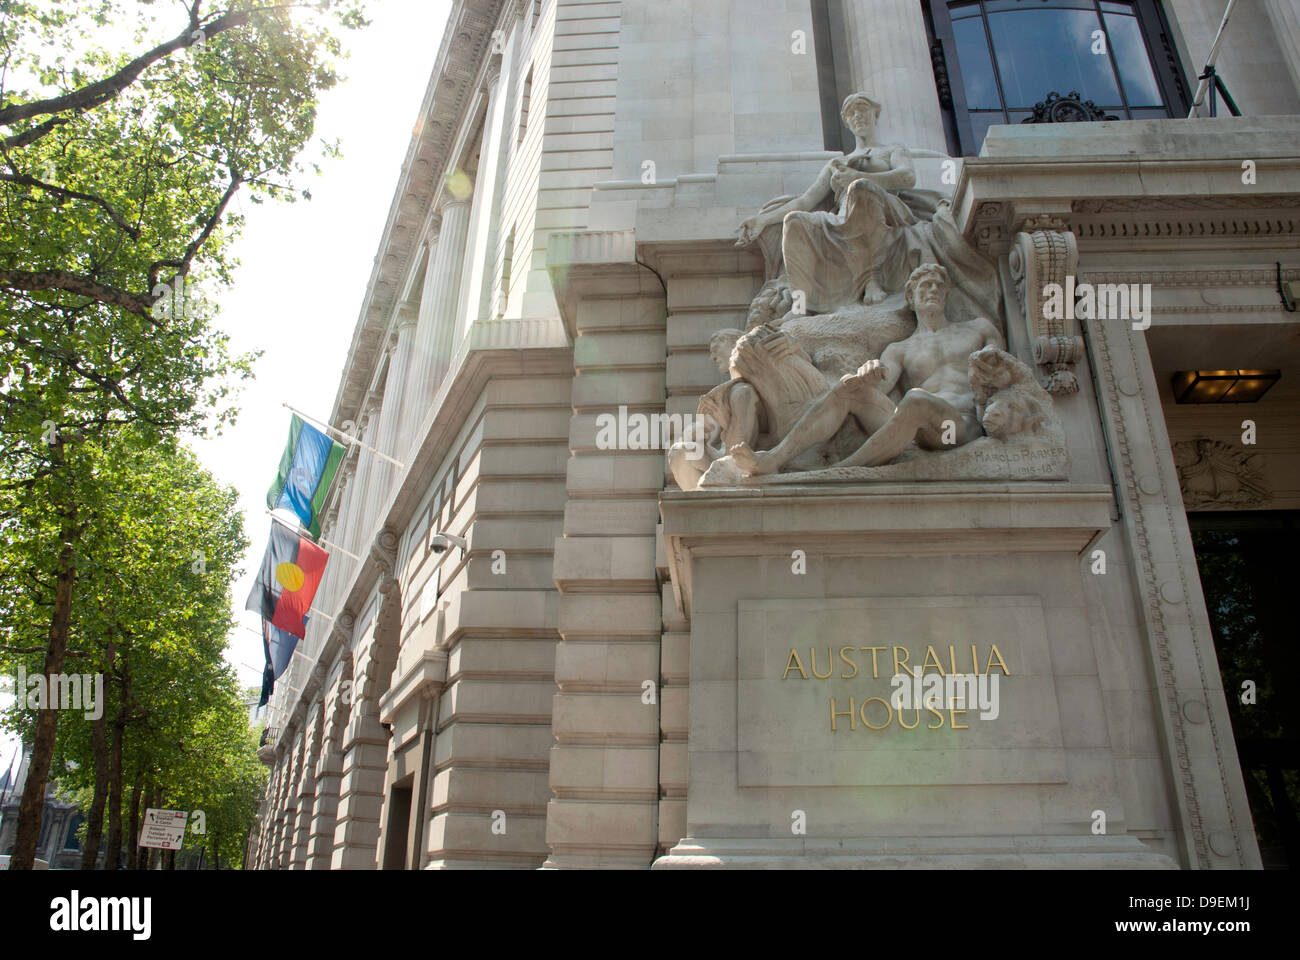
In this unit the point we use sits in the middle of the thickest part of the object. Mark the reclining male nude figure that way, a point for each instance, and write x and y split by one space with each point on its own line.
932 367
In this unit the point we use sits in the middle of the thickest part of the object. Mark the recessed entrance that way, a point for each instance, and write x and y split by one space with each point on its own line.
1246 564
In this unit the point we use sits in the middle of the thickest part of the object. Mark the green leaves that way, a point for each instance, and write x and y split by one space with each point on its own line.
117 168
151 509
119 161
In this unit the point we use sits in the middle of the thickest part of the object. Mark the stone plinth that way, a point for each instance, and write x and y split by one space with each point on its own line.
804 601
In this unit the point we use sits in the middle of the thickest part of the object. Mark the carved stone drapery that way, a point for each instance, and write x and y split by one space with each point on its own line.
1217 475
1041 254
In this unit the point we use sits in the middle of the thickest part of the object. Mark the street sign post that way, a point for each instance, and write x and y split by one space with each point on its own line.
164 829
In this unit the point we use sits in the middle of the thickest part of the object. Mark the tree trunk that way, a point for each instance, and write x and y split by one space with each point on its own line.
115 789
133 856
99 737
47 724
144 853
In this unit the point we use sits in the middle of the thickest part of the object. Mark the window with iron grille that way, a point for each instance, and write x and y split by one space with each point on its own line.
1018 61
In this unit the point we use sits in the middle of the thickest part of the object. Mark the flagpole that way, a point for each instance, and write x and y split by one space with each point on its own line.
298 529
334 430
1207 75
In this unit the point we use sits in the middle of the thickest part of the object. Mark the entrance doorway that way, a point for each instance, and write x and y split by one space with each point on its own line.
1246 563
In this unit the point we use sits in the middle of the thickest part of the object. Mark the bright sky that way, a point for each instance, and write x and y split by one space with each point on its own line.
303 273
304 269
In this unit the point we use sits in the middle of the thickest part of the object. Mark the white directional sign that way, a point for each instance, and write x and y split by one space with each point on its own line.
164 829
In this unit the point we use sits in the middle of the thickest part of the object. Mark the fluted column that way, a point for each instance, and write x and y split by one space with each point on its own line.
889 61
436 330
357 534
393 426
478 255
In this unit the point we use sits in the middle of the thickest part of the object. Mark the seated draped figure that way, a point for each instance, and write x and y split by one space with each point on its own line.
934 371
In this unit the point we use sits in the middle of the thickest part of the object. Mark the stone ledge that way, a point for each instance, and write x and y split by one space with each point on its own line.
1118 852
888 519
428 673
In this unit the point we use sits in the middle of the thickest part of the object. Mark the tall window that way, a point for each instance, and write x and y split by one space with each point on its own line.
1005 56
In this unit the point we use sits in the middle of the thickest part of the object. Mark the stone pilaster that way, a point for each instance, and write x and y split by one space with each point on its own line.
335 711
313 735
275 818
289 804
365 742
1212 814
604 765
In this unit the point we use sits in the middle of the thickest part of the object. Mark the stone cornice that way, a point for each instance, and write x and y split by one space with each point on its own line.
1153 182
425 677
452 89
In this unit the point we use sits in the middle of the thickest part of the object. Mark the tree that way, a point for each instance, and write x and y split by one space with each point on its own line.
117 170
151 615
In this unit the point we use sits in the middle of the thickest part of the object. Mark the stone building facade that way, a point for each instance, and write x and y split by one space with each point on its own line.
57 845
613 671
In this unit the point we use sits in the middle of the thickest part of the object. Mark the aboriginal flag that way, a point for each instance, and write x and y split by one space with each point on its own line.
285 587
307 469
278 645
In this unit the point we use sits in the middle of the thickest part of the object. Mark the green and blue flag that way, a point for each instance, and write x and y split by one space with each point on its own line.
310 461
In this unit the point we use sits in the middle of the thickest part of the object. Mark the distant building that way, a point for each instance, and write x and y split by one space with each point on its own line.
256 714
57 844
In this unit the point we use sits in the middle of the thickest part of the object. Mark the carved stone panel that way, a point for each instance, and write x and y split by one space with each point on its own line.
1218 476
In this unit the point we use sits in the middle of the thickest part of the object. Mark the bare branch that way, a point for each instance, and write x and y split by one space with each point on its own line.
183 264
30 136
30 181
36 280
104 90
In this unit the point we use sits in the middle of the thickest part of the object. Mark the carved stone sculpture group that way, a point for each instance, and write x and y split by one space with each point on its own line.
875 349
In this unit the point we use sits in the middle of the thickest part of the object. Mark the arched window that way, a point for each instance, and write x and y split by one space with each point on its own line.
1002 58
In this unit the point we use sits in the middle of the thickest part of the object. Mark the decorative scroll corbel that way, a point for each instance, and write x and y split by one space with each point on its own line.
1043 253
384 552
340 637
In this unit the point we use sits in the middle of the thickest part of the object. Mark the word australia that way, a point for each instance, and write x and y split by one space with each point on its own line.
898 658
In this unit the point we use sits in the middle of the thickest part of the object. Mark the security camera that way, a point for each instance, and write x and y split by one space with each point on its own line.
441 542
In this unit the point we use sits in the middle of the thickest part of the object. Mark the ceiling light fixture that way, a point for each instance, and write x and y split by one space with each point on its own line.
1223 386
